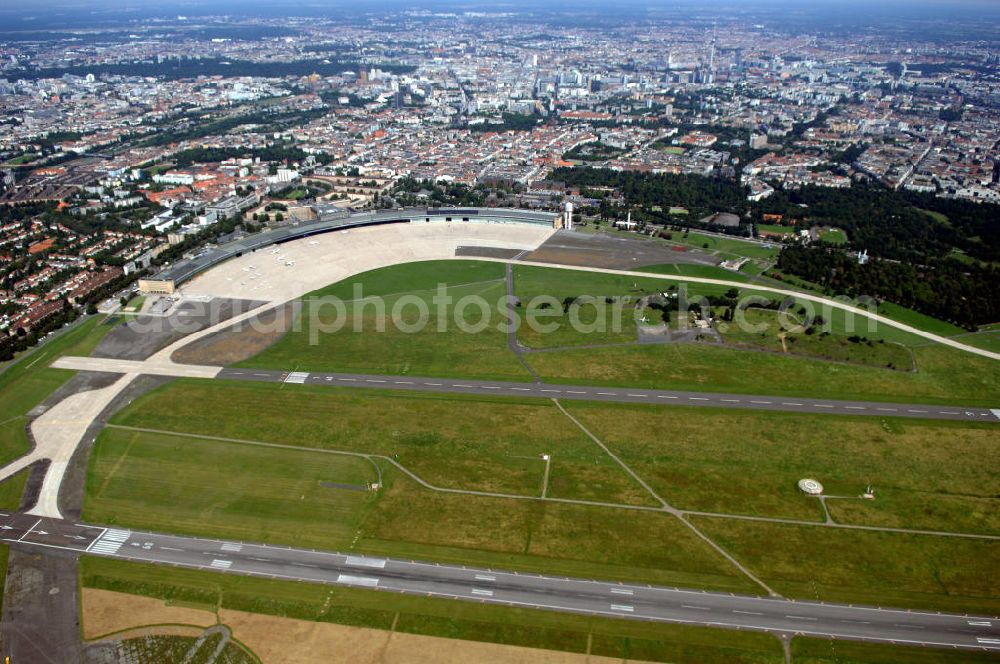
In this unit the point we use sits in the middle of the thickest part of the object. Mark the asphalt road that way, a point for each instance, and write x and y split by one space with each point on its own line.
623 394
637 602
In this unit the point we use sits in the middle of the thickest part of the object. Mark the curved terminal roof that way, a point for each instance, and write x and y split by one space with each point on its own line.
187 268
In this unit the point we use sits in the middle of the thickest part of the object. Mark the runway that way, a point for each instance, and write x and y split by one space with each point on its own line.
588 597
543 390
623 394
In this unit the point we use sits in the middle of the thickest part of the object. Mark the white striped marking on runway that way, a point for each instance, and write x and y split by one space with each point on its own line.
110 541
482 592
219 563
363 561
351 580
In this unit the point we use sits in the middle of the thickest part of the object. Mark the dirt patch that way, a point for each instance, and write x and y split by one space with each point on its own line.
242 340
488 252
136 338
568 248
288 641
277 640
105 611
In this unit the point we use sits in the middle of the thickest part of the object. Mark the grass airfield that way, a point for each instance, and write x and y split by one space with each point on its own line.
464 479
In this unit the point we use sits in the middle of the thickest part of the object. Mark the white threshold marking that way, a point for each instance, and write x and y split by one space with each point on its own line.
482 592
625 608
218 563
622 591
992 642
485 577
230 546
362 561
367 581
996 412
980 623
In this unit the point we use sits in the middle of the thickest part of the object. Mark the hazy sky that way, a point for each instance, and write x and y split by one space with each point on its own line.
20 15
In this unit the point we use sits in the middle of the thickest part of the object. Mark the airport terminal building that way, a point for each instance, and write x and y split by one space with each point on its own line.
168 279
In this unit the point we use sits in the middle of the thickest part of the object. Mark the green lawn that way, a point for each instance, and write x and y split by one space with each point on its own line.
471 443
884 569
28 381
919 320
21 159
937 216
11 490
411 277
435 617
135 304
608 318
399 349
775 228
927 475
143 480
827 651
988 340
834 235
225 490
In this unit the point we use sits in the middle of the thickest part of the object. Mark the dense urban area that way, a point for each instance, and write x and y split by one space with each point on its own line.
122 149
